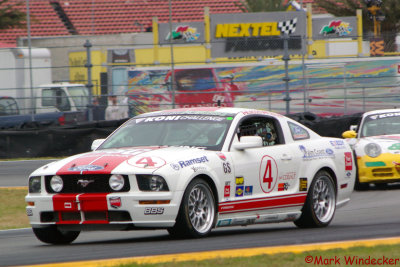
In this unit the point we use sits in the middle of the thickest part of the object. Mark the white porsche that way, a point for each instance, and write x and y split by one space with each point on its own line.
192 170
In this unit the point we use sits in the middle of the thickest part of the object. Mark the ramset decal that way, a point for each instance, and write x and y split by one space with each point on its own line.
268 174
147 162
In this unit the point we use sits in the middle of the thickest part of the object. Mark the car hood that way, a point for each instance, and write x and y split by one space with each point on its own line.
127 160
388 143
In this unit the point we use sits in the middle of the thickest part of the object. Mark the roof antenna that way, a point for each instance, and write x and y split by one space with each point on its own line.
219 103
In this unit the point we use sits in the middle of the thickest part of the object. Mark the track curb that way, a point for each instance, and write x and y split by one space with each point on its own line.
231 253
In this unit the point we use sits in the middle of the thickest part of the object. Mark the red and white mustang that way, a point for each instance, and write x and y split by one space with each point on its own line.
190 170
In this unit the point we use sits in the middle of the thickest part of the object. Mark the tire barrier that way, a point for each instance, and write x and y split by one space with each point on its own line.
67 141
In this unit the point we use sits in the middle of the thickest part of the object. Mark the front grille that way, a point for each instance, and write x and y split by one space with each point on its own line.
110 216
95 183
382 172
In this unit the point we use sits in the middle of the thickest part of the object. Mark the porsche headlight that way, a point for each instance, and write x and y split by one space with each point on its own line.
116 182
151 183
35 184
373 150
56 183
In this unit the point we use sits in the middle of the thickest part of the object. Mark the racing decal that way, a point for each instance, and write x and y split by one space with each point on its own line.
239 191
29 212
303 185
338 144
224 222
82 168
180 118
227 189
262 203
239 180
102 162
248 190
394 147
199 168
115 202
146 162
288 176
175 166
310 154
268 174
189 162
384 115
153 211
221 156
283 186
348 161
227 167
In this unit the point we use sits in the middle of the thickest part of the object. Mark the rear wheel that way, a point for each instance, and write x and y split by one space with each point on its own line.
320 205
197 213
52 235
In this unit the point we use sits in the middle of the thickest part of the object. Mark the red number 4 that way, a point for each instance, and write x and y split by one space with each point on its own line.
146 161
268 174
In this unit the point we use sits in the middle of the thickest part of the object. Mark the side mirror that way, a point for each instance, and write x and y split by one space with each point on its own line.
96 143
349 134
248 142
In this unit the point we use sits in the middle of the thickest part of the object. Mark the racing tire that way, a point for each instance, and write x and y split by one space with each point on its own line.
52 235
197 213
320 205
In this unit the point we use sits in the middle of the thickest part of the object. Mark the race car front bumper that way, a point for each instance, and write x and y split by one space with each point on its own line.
382 169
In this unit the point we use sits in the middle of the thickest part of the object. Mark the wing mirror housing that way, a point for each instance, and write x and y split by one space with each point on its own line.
247 142
349 134
96 143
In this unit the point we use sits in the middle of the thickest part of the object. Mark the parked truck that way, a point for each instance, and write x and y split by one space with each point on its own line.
26 78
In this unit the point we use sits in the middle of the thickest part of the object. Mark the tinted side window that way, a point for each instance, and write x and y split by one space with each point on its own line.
298 132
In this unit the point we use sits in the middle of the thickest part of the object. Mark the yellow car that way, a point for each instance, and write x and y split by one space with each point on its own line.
376 145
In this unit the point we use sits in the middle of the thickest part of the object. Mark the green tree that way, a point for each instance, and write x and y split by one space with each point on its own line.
390 26
265 5
10 17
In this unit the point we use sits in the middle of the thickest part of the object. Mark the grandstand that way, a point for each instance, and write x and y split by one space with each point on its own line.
98 17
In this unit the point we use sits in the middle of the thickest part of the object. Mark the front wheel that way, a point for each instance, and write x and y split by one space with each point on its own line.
197 212
53 235
320 205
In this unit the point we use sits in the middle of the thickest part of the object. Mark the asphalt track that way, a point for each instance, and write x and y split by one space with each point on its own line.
371 214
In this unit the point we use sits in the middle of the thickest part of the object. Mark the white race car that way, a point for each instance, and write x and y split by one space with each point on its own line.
377 147
191 170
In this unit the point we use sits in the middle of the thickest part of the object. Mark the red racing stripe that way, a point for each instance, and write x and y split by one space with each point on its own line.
102 162
262 203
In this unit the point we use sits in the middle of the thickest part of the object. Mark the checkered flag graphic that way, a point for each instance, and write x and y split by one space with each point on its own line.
288 26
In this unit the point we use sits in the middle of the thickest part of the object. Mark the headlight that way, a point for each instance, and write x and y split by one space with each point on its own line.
151 183
373 150
35 184
56 183
116 182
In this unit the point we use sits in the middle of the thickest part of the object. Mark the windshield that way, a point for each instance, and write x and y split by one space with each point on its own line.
80 96
179 130
382 124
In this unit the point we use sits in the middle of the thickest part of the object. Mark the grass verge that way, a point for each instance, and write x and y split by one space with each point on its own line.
383 255
12 208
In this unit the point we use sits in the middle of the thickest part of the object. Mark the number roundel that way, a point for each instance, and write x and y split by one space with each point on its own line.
147 162
268 174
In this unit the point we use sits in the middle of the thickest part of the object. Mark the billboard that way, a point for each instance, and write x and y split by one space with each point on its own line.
257 34
337 27
182 33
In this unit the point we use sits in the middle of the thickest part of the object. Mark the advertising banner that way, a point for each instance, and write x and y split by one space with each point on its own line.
182 33
257 34
338 27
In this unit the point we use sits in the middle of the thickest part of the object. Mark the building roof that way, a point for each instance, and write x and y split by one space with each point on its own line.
97 17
